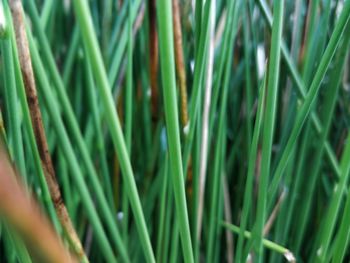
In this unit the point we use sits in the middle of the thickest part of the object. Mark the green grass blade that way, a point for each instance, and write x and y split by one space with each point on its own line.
172 122
14 116
332 213
311 95
269 121
247 199
84 19
342 239
299 84
266 243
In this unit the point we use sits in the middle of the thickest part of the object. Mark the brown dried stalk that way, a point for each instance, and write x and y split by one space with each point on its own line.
25 216
306 32
179 60
274 213
153 49
35 114
181 74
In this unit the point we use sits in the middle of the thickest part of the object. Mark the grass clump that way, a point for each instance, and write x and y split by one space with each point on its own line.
174 131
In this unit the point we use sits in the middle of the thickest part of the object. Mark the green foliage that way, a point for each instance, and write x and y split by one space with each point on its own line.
277 135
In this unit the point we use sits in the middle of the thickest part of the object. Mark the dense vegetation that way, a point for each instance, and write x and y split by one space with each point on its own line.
174 131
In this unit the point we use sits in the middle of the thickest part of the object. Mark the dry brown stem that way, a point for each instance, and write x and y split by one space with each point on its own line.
35 114
179 60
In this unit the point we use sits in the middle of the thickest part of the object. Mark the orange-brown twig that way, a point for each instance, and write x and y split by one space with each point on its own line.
179 59
181 74
274 213
25 216
35 113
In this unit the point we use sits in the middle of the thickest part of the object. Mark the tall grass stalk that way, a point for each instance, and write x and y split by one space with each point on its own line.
166 47
269 121
84 18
